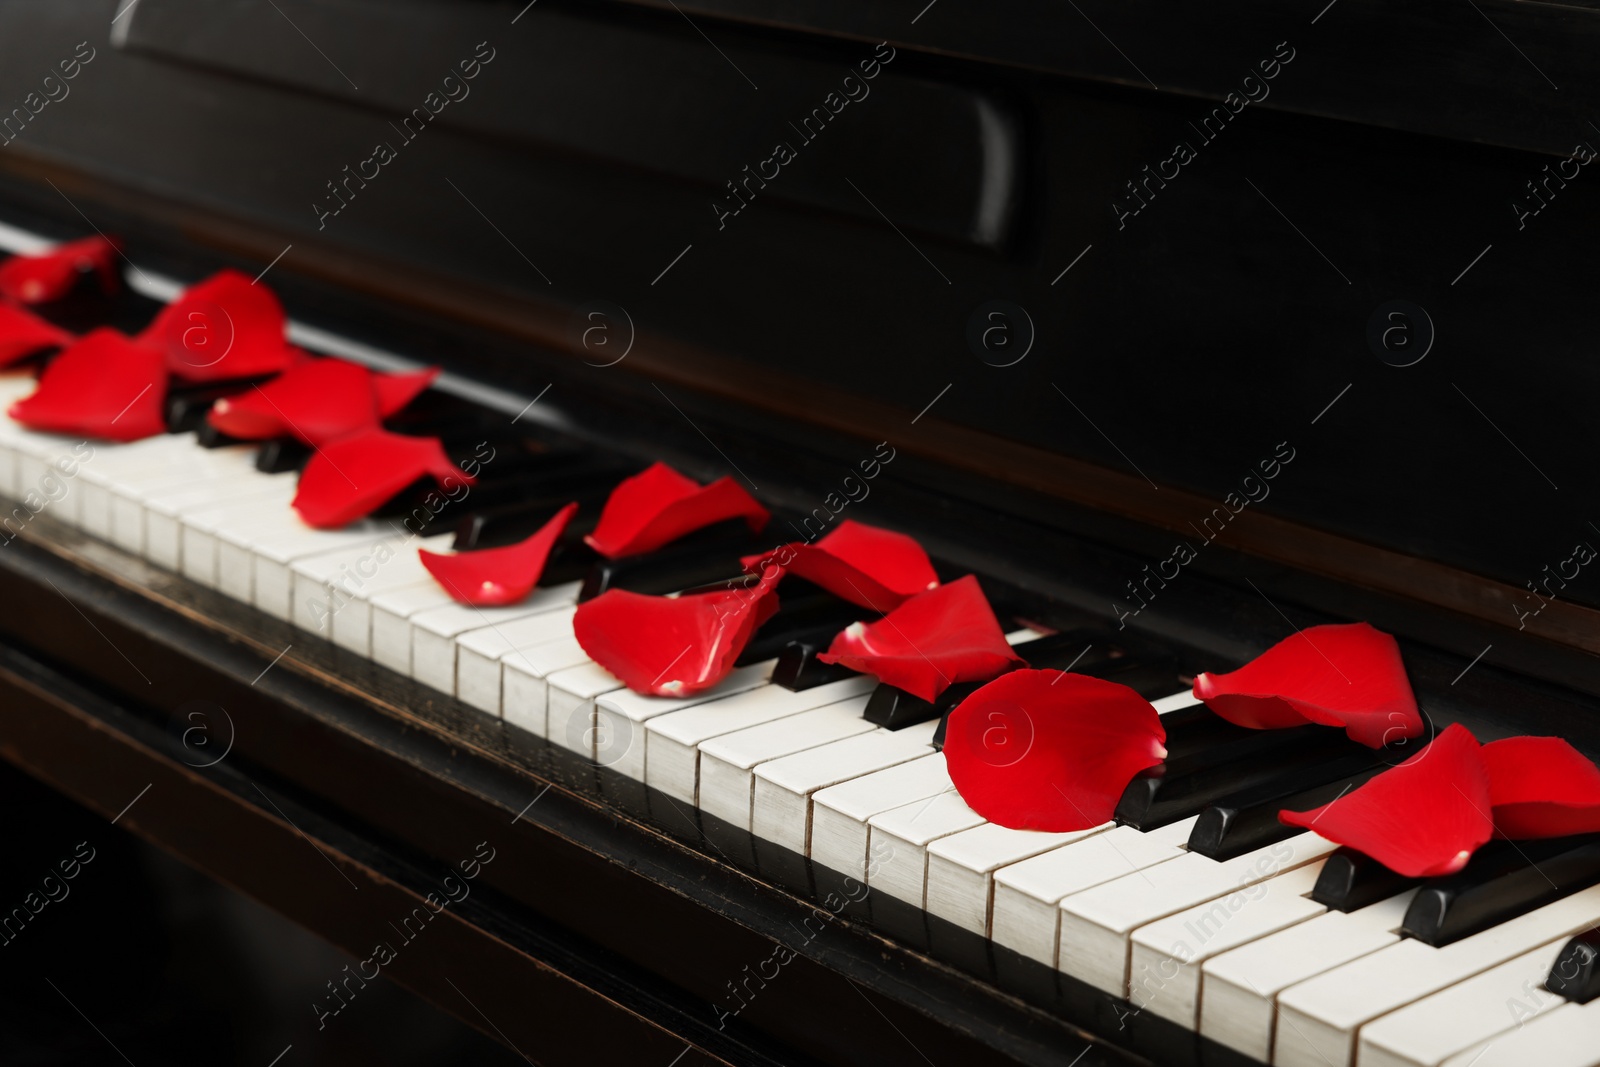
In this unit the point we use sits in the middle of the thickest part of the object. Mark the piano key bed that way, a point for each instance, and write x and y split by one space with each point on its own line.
1123 925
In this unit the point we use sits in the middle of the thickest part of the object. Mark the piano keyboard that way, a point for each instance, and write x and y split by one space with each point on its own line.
1233 949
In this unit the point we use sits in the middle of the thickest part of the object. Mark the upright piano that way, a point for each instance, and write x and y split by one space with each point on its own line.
1049 287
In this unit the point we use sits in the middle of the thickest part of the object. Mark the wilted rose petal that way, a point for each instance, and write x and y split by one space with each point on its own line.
22 334
659 505
395 391
223 328
104 386
347 478
495 576
930 642
316 401
1541 787
1047 750
1422 818
50 275
1346 675
870 567
673 646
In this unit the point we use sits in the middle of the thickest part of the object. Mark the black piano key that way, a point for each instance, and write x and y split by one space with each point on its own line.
429 508
186 406
208 436
493 524
893 708
1503 879
706 557
282 454
799 668
1247 819
1186 784
1350 880
802 616
1575 975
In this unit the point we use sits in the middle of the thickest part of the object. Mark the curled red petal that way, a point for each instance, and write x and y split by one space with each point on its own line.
869 566
1346 675
395 391
317 400
1541 787
104 386
1423 818
929 643
659 505
50 275
495 576
225 327
673 646
22 334
347 478
1047 750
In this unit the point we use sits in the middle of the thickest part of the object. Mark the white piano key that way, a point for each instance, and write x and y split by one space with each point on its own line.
524 693
727 763
391 612
1567 1035
1169 953
620 716
330 589
479 654
961 868
1096 924
1239 989
1319 1018
897 843
1027 895
1427 1033
569 696
47 469
1175 702
273 554
434 632
781 812
840 813
164 512
188 466
672 742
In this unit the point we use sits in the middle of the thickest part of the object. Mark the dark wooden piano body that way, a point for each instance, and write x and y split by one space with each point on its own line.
1176 332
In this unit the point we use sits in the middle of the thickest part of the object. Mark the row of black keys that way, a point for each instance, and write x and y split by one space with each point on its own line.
1235 780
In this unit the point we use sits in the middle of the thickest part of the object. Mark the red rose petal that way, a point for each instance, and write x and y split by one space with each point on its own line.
673 646
225 327
494 576
395 391
347 478
23 334
1541 787
1423 818
870 567
38 279
660 505
1339 675
930 642
1047 750
317 401
104 385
